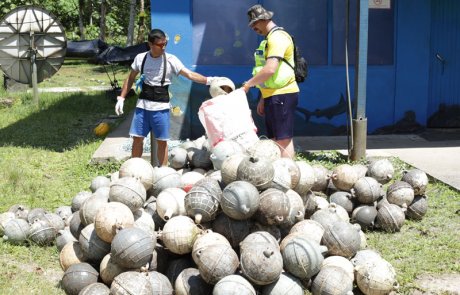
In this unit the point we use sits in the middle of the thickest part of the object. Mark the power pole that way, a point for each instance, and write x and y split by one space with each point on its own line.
358 151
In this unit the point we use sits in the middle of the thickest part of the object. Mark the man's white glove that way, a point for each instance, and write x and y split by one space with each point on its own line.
119 105
210 79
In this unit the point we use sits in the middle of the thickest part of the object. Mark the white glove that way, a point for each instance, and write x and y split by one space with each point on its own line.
119 105
210 79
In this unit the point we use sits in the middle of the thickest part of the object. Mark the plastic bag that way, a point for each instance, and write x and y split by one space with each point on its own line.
228 117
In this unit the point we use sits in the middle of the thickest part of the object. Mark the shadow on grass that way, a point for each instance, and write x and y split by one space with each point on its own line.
63 122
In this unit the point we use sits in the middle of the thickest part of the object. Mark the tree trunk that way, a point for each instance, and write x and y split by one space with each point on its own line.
81 5
141 31
90 10
102 22
132 19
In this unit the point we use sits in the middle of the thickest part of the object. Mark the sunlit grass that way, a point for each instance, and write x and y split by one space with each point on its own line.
29 270
431 245
45 157
81 73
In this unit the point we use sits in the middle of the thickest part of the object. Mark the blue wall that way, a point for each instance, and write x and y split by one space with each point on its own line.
412 58
392 89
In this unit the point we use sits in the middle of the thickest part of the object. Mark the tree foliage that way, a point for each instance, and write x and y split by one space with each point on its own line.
67 12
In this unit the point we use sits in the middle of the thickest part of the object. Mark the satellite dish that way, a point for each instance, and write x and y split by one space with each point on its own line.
32 45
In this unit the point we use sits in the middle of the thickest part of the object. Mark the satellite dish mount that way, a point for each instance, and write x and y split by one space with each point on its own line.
32 45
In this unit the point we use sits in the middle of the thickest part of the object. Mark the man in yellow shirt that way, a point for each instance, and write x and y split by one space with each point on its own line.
275 79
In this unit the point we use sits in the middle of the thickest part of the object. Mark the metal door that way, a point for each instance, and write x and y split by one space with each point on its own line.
444 99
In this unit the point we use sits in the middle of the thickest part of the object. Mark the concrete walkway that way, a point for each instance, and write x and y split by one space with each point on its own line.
112 148
437 152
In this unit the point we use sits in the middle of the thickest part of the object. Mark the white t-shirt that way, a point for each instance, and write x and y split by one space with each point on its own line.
153 72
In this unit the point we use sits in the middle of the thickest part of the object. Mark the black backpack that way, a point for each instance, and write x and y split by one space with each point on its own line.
300 64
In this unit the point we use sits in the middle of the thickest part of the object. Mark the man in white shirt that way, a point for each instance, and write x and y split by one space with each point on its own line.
157 68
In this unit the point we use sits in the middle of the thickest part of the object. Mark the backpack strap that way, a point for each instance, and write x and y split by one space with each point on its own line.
295 54
293 44
274 29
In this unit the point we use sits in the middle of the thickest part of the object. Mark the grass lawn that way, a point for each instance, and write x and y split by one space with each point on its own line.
44 162
81 73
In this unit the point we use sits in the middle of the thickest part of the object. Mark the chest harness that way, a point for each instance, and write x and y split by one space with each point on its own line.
154 93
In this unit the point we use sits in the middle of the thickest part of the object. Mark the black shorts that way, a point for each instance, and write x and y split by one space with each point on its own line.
279 115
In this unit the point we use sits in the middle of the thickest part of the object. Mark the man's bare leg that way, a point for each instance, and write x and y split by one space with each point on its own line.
286 147
138 147
162 152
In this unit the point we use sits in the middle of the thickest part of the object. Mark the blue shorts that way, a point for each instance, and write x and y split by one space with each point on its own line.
144 121
279 115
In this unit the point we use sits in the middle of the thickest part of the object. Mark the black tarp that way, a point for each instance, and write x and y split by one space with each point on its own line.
85 49
96 51
119 55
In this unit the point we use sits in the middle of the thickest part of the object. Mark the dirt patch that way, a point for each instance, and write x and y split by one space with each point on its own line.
438 284
6 102
54 276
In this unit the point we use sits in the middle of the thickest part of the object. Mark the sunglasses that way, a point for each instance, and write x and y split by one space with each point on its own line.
162 44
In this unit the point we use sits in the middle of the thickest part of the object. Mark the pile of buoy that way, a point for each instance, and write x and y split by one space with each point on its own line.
226 220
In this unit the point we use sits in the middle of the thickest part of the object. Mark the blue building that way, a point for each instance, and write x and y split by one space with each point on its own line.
413 75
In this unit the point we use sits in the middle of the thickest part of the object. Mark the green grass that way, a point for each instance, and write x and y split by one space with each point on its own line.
29 270
429 246
81 73
45 152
